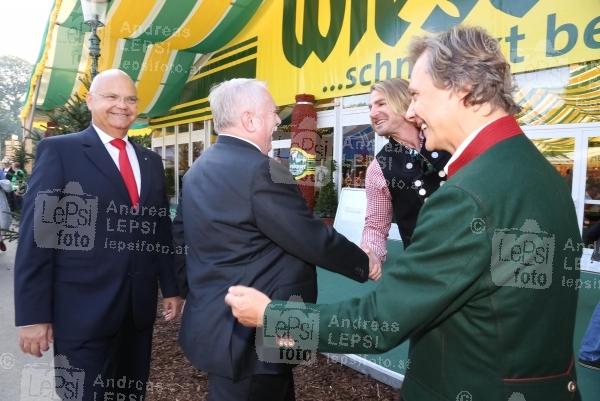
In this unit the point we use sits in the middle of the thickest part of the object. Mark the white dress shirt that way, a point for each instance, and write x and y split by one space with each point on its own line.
113 151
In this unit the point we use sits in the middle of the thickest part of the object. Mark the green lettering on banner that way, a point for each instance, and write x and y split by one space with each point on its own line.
388 25
552 33
513 40
591 30
439 20
358 22
312 40
516 8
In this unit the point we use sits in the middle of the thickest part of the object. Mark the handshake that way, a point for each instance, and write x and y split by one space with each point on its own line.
374 264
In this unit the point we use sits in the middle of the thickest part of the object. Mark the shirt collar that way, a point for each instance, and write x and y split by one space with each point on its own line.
243 139
105 138
461 148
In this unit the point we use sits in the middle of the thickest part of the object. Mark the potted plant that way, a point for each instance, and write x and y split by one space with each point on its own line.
326 204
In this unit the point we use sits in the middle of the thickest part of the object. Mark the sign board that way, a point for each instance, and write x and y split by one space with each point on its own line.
350 215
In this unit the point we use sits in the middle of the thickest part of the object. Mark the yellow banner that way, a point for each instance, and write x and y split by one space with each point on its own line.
332 48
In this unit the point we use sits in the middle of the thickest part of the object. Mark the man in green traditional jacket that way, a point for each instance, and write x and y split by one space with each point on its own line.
481 291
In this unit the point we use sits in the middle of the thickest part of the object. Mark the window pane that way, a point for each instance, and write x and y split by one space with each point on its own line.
157 133
282 134
559 152
357 153
184 161
170 173
198 126
170 130
561 95
197 149
324 148
158 150
183 128
592 185
591 219
282 155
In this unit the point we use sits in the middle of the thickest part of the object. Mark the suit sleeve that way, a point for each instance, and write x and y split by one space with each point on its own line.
433 278
33 264
166 272
282 215
179 243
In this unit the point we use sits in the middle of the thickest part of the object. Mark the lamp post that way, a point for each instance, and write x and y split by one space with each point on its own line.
94 14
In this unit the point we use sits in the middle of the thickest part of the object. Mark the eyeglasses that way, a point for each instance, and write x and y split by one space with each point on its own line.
113 98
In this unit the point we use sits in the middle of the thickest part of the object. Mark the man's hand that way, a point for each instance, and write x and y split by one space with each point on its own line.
172 308
247 305
375 271
36 339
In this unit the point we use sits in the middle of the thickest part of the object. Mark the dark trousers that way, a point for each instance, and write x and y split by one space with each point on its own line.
119 364
254 388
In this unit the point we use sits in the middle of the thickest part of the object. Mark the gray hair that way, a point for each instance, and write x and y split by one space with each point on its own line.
469 59
229 99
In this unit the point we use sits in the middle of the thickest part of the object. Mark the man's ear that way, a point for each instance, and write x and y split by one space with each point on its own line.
88 99
247 121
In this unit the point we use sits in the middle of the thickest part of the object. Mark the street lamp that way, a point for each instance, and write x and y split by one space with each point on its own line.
94 14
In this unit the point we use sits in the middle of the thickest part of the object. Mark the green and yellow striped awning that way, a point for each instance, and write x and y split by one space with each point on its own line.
176 50
158 43
577 100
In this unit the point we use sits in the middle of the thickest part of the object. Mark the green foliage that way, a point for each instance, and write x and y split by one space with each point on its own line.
143 140
326 204
21 155
15 74
74 116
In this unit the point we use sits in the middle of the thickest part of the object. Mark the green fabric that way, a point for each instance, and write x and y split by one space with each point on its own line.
236 19
333 288
174 83
170 18
467 333
133 56
67 55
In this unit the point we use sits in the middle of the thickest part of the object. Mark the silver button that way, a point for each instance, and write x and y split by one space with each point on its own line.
571 386
418 183
434 155
409 165
422 192
442 183
442 173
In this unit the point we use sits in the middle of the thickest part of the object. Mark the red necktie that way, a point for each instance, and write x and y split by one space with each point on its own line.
126 171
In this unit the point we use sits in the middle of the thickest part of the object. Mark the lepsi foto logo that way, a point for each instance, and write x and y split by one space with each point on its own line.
522 257
291 335
65 218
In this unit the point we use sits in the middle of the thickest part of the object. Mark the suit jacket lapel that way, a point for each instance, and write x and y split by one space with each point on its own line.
95 150
144 162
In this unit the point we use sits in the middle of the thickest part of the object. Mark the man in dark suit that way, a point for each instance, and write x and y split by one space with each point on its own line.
480 291
94 244
245 222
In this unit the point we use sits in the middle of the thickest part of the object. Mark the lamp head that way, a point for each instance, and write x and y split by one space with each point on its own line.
94 11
